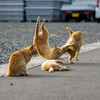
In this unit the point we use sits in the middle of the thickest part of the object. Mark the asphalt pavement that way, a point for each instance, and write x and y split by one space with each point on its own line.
82 82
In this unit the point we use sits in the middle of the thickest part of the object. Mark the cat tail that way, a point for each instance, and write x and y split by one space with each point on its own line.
69 30
37 26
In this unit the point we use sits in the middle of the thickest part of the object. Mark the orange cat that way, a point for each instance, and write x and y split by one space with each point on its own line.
42 46
76 38
53 65
19 60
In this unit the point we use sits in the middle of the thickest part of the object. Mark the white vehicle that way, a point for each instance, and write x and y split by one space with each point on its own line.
97 14
79 10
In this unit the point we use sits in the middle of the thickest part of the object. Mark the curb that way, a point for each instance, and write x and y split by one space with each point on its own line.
37 61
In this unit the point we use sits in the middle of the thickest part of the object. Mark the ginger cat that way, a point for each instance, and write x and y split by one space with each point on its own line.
41 43
53 65
76 38
19 60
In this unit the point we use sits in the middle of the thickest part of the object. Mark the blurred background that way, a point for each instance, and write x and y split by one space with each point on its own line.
18 22
51 10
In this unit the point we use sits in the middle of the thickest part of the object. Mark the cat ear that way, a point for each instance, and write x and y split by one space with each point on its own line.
32 46
80 32
55 46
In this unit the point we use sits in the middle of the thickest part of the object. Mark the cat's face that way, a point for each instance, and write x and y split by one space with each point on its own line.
77 35
33 50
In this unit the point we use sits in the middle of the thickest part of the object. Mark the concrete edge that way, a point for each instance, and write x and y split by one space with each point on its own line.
37 61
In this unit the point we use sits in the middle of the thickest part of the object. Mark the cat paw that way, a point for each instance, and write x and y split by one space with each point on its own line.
67 68
26 74
76 59
38 19
71 62
50 71
44 20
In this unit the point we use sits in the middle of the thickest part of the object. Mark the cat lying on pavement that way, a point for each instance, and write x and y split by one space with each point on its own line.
53 65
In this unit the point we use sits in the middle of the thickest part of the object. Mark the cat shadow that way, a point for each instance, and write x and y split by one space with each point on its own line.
46 76
81 64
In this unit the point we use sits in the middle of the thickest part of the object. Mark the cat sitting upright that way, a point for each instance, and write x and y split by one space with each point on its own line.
53 65
41 43
76 38
19 60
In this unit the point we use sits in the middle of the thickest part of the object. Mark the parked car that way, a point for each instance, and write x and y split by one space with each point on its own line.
97 14
80 10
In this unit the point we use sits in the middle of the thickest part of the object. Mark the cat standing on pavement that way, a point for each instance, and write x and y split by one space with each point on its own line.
19 60
76 38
